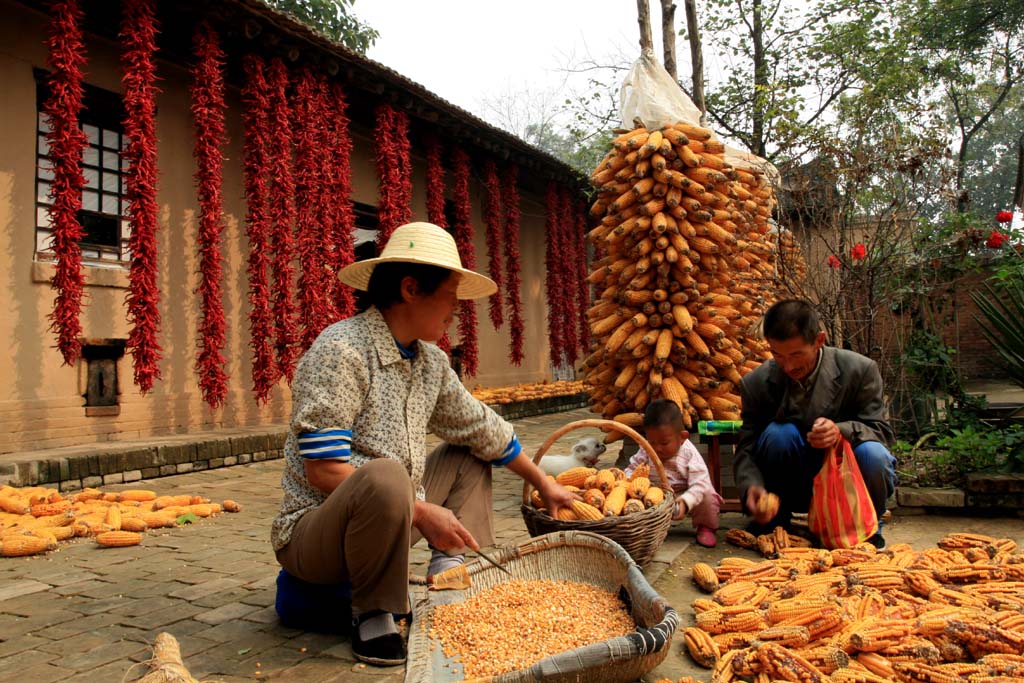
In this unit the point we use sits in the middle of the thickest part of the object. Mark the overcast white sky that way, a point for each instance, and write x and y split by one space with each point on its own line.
467 51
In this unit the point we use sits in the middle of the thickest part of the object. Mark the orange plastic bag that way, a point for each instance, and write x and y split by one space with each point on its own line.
842 514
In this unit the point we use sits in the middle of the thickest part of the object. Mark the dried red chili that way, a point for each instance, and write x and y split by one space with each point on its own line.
208 107
492 217
435 203
256 117
282 216
463 232
66 142
513 287
138 35
394 171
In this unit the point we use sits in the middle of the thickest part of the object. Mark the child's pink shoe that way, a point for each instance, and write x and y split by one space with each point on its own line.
706 537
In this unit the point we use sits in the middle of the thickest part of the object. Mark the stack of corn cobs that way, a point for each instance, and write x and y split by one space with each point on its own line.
605 493
952 614
686 270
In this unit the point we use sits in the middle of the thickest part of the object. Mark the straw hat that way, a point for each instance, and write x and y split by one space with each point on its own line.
423 243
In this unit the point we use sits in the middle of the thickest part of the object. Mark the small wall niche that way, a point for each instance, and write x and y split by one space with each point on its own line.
102 392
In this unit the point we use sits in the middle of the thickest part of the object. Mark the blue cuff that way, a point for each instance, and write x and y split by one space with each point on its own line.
326 444
509 454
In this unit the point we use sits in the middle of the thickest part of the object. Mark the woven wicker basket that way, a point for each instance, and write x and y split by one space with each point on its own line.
565 556
640 533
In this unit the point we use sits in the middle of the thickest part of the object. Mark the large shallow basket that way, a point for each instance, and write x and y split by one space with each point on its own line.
566 556
640 533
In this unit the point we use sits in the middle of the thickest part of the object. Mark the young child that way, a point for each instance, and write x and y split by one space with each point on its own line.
684 466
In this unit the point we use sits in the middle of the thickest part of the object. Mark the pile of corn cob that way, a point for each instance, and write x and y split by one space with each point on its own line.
526 392
33 520
605 493
951 614
688 267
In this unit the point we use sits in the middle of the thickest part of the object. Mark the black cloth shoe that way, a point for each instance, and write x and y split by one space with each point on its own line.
878 541
386 650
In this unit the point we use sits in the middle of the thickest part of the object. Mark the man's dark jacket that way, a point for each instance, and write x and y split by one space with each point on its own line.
848 391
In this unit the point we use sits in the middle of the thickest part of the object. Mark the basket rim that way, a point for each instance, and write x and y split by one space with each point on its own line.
609 425
648 644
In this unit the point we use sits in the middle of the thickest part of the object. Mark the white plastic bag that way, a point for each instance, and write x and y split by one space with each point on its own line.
651 98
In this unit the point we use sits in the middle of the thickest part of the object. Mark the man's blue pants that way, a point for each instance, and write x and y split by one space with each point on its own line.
789 464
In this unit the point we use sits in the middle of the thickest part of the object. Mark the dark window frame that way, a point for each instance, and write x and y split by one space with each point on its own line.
107 228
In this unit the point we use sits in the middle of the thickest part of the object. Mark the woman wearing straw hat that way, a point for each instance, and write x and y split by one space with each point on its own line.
359 488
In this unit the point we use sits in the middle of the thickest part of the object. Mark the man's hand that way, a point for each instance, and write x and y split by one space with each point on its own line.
824 433
556 496
441 528
754 495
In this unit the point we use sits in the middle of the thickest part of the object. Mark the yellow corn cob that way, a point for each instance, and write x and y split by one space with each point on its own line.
575 476
594 497
605 481
880 635
47 509
787 636
638 487
171 501
785 610
230 506
20 546
113 518
785 664
137 524
140 495
633 505
614 502
741 538
969 573
827 658
701 647
204 509
117 539
566 514
704 604
17 506
704 576
723 620
722 672
61 533
642 470
586 511
654 496
157 520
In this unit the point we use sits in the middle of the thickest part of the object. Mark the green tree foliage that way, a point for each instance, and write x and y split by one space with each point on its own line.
333 18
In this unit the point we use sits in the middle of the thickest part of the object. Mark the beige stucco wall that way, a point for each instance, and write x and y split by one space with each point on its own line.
43 404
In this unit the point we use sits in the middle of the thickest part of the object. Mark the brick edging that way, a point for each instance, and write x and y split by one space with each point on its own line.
113 463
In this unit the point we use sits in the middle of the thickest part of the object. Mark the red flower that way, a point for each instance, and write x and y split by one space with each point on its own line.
834 262
995 240
859 252
1004 216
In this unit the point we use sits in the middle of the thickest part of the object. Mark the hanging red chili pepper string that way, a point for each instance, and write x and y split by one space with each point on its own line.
463 232
345 217
308 194
513 297
256 116
583 291
394 171
282 216
67 141
553 278
492 216
567 262
138 35
326 202
435 203
208 123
